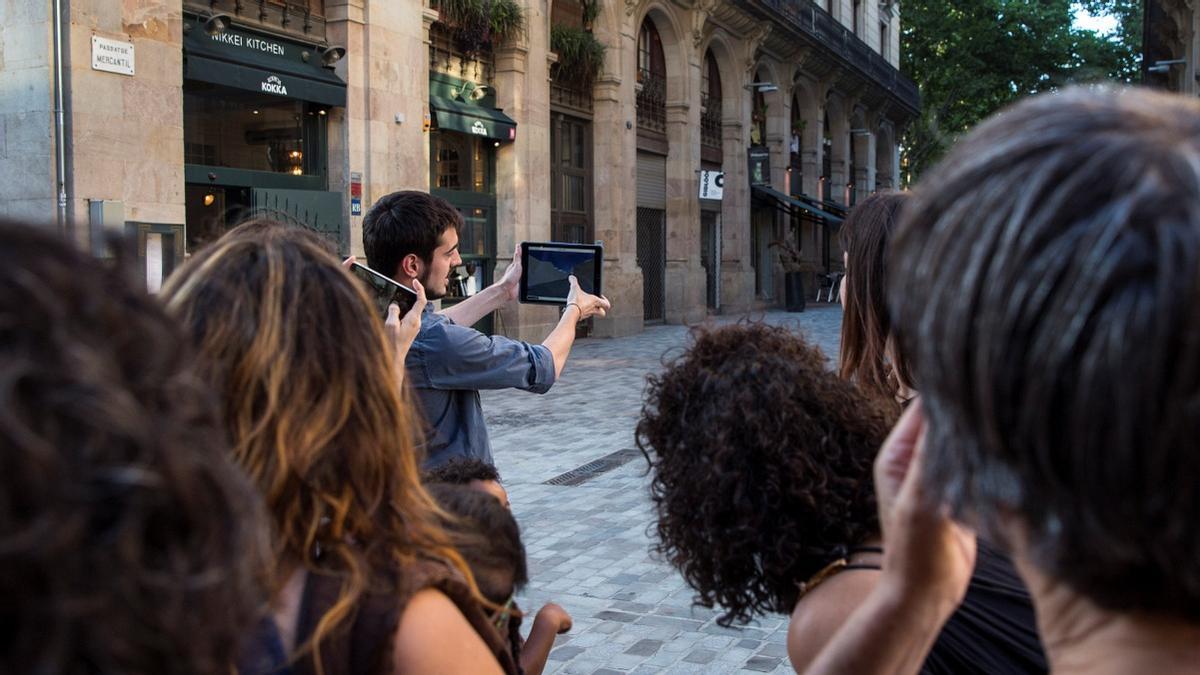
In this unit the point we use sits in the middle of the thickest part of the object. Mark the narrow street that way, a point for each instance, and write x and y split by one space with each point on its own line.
579 489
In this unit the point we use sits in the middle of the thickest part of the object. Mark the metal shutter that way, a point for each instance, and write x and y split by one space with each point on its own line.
651 181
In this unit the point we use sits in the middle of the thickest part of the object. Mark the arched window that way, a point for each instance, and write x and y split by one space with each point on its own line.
758 115
710 105
652 78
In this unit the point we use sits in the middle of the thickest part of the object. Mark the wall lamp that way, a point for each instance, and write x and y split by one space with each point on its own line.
860 132
1165 66
331 55
217 24
764 87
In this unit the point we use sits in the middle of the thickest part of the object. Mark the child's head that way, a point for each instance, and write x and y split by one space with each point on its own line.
471 473
488 537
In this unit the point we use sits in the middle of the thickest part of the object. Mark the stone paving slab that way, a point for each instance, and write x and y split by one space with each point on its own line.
589 544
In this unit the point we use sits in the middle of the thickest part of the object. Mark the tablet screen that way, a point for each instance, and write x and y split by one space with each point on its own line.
547 266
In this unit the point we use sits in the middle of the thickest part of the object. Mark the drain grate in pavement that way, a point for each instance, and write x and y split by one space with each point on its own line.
586 472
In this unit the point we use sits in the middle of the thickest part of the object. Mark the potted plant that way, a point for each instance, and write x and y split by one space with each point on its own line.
480 23
580 55
795 267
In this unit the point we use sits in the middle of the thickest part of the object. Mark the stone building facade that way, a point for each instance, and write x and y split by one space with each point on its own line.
1171 45
318 107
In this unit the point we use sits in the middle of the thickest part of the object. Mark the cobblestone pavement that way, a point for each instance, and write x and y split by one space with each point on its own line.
589 543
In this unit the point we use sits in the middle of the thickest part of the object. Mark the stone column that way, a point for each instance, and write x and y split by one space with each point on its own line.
523 167
737 276
685 280
863 146
778 136
614 152
387 77
840 166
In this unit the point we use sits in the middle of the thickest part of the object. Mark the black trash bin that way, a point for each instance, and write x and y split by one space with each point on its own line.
793 291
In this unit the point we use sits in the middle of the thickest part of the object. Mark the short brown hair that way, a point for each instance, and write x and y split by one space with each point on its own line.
1046 280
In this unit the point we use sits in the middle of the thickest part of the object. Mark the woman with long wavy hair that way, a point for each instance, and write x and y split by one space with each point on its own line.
868 355
364 579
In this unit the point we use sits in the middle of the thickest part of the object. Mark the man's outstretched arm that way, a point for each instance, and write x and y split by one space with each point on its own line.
490 299
580 305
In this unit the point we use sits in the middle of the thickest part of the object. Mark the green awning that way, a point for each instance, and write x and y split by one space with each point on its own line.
261 63
472 119
275 83
786 200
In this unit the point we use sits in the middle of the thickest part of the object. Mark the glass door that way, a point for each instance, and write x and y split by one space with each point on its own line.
462 172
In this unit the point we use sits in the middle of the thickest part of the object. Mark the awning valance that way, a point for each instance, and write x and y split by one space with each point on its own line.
472 119
275 83
256 62
785 200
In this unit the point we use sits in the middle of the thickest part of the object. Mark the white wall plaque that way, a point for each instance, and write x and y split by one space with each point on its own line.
113 56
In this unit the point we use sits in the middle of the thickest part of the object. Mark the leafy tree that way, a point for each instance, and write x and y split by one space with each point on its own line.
972 57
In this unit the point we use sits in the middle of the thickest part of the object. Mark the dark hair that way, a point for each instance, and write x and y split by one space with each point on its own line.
1046 281
131 543
488 537
866 322
404 222
762 464
462 472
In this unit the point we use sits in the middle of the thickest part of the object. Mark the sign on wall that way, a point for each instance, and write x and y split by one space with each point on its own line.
759 165
712 184
112 56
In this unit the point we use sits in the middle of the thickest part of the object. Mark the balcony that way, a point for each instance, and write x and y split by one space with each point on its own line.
816 27
652 102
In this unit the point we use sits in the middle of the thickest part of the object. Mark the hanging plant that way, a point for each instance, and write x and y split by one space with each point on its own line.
591 12
507 20
477 24
580 55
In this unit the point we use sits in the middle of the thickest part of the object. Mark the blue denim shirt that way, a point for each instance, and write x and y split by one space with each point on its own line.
448 364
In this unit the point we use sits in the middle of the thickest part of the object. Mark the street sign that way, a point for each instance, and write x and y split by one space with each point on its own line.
113 56
712 184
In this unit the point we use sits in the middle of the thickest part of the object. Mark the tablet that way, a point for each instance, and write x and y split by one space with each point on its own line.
545 267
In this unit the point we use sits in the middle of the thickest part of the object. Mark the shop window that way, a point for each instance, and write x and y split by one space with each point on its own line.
235 129
461 162
571 176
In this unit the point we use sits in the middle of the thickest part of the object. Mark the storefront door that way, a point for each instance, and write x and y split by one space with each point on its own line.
463 169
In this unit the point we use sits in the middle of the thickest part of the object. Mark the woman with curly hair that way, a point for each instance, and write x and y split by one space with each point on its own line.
365 580
868 351
762 484
129 543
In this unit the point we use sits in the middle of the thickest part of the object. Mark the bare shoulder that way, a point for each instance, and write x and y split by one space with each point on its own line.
434 637
820 613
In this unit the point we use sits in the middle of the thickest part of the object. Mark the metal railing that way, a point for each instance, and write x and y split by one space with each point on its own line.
652 102
814 24
710 123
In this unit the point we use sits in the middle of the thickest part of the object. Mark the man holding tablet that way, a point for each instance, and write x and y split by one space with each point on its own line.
414 235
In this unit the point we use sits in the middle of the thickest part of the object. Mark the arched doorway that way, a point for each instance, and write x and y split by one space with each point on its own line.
652 150
712 156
